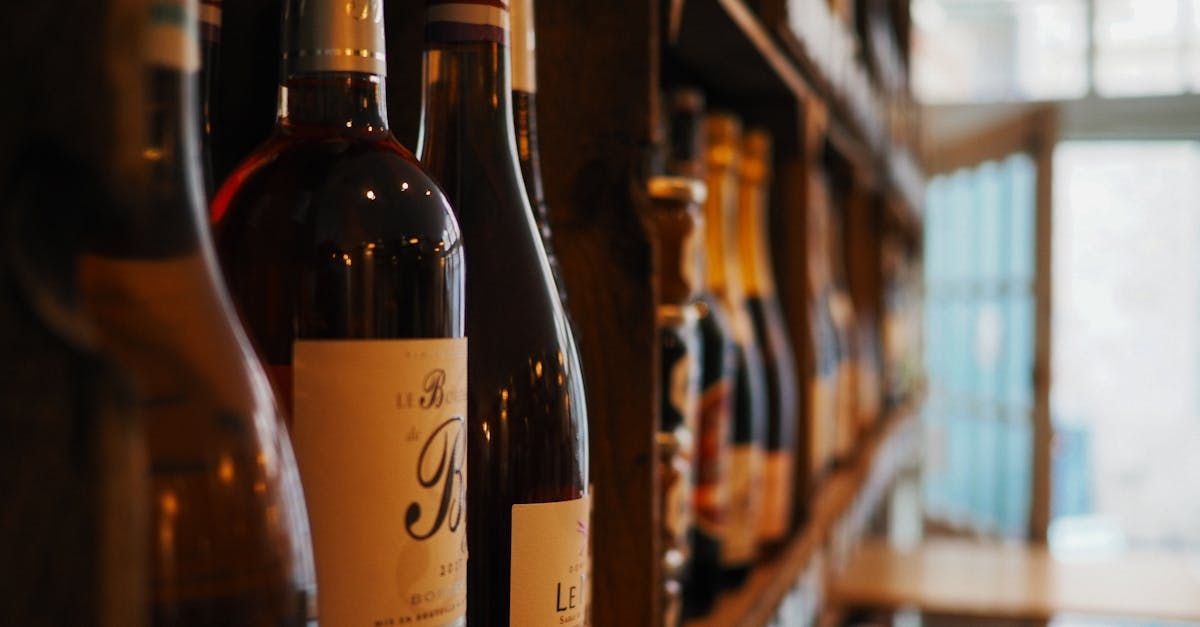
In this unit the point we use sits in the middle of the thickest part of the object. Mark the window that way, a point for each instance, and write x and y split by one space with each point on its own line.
1019 50
1126 346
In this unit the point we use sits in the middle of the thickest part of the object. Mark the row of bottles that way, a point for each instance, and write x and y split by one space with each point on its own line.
401 311
741 435
339 386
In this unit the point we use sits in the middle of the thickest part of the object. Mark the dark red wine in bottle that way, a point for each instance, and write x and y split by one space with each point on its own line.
754 244
228 535
346 265
527 413
739 548
524 83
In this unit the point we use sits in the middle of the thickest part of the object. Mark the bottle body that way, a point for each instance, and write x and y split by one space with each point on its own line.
527 413
676 219
346 264
739 547
228 537
718 370
770 331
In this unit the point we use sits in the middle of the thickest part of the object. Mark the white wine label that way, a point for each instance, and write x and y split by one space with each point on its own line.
778 478
171 35
524 47
745 505
379 433
550 563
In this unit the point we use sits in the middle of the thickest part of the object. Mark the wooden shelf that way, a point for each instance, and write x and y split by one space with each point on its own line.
725 47
882 455
968 578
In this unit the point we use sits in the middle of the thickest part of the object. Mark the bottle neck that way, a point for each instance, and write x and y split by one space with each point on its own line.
754 242
347 102
525 126
467 101
724 268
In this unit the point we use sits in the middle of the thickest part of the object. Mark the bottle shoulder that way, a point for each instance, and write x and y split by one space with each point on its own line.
367 185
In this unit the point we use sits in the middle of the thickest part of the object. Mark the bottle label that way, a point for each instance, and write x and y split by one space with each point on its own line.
847 411
778 477
745 505
171 37
712 459
455 21
379 434
550 563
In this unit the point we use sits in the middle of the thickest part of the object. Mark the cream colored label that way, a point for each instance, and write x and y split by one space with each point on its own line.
172 39
524 47
778 478
745 505
380 440
550 563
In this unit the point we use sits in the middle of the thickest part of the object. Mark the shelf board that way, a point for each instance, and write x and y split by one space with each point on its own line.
724 44
973 578
755 603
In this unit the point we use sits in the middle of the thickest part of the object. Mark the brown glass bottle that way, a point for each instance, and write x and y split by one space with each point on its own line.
675 217
718 371
527 411
841 309
346 264
524 83
210 38
228 536
754 248
739 547
822 387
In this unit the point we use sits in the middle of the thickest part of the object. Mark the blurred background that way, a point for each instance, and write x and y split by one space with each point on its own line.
1123 77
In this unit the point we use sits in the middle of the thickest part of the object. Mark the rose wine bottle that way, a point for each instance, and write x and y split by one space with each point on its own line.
228 534
346 265
739 547
526 409
718 369
758 278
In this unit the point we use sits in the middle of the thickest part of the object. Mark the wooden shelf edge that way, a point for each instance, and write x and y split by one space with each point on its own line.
755 603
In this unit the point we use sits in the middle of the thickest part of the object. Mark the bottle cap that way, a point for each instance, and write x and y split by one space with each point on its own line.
677 188
334 36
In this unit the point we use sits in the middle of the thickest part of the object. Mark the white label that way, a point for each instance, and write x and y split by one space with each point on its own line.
745 505
550 563
172 41
524 47
379 433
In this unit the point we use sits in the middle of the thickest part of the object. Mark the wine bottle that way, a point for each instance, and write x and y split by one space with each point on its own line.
527 412
718 370
842 312
210 37
524 83
822 388
754 248
228 533
676 211
740 542
346 264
